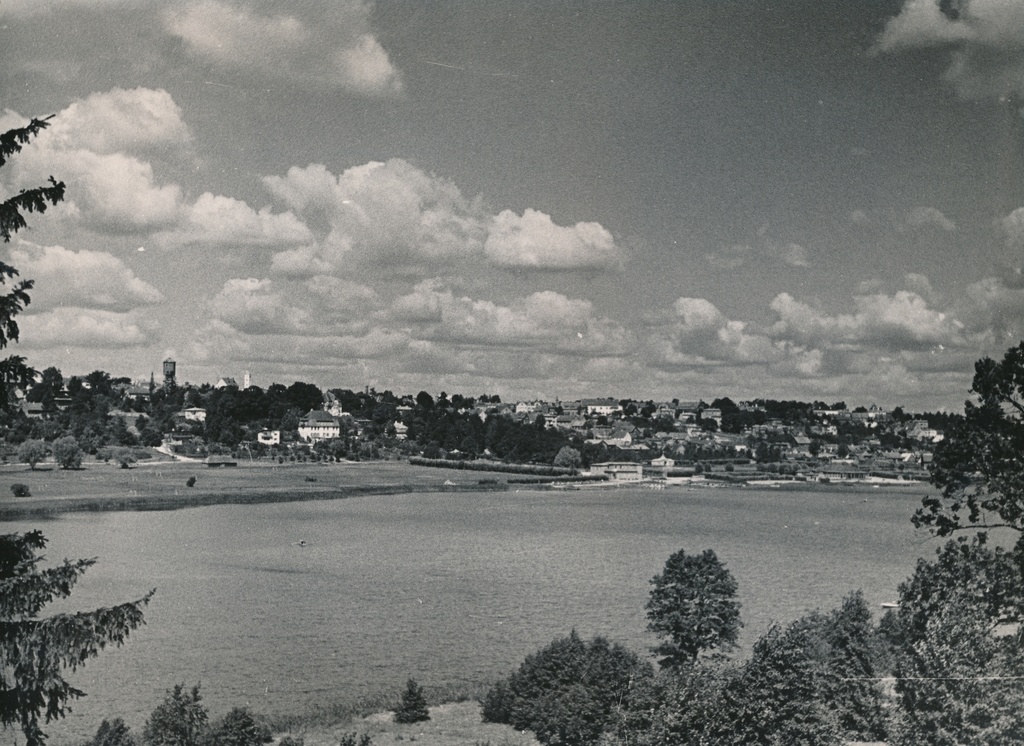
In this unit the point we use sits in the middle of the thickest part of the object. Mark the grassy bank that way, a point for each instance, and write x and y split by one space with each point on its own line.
163 486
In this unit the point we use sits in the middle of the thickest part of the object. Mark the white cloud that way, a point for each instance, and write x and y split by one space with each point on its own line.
335 49
547 320
113 191
534 241
223 221
897 322
922 217
118 121
985 35
1013 228
697 334
90 279
389 215
84 327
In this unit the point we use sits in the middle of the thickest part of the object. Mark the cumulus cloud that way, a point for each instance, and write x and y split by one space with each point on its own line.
922 217
1013 229
224 221
545 319
334 49
118 121
89 145
903 320
695 333
85 327
219 340
534 241
763 249
987 57
321 306
89 279
377 214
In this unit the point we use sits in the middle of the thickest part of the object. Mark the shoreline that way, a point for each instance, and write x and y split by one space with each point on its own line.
114 490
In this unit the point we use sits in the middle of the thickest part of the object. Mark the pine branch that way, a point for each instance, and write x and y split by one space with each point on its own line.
12 141
29 200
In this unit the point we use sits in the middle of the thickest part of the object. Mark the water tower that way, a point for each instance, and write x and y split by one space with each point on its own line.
169 370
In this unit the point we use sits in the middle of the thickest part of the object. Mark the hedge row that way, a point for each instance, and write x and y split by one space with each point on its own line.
480 465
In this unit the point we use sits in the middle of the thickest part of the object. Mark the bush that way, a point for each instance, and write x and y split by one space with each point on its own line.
20 490
354 739
238 728
180 720
112 733
67 452
191 482
568 692
413 708
31 452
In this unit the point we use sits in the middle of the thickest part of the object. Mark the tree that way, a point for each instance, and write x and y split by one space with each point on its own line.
238 728
569 457
31 452
113 733
180 720
413 708
775 697
36 649
13 370
957 669
67 452
978 465
693 607
568 692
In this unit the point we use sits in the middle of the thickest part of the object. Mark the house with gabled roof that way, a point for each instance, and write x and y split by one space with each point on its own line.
319 425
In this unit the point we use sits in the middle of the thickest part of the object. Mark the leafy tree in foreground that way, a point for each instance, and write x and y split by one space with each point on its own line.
693 607
31 452
238 728
960 650
568 692
180 720
978 466
35 650
413 708
67 452
113 733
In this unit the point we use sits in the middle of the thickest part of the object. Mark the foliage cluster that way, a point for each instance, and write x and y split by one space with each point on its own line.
568 692
413 706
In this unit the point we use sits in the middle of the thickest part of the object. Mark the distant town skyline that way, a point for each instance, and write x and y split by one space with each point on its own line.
800 199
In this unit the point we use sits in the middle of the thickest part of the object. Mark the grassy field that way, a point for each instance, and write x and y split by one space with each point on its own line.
161 484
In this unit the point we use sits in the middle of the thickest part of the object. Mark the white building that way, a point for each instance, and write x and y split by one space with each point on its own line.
319 425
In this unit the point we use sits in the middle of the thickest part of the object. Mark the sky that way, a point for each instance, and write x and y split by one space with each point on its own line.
789 199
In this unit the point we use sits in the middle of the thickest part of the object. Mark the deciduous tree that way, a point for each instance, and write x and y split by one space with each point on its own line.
978 466
31 452
693 607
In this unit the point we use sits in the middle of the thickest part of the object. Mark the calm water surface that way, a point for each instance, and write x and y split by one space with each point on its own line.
446 588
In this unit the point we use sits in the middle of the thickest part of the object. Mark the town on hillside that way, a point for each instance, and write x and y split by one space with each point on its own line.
617 440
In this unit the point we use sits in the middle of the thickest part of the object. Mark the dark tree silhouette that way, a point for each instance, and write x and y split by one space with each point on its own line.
35 650
978 466
693 607
13 370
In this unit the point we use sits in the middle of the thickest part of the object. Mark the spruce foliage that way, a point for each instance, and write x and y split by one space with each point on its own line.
413 708
35 650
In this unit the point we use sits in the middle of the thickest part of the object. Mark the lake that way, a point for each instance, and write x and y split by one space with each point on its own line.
282 606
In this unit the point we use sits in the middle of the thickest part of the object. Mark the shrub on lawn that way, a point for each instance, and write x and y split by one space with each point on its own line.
20 490
413 708
191 482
